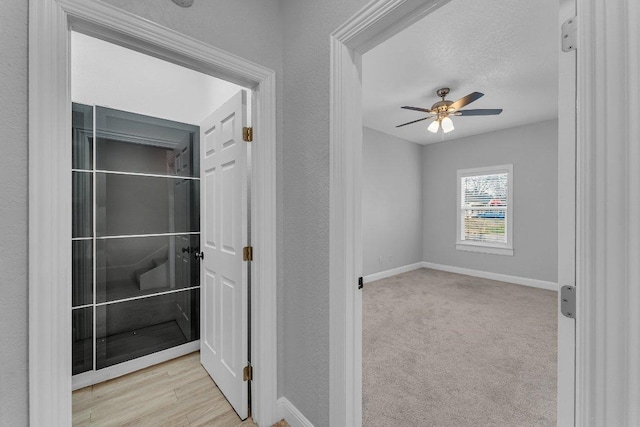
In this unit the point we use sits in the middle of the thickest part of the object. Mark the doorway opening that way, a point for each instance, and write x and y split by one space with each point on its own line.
138 250
371 28
459 219
50 181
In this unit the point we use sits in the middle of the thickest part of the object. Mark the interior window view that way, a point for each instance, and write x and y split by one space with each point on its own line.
460 232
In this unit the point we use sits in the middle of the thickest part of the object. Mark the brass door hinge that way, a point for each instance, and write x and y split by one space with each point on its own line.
247 373
247 253
247 134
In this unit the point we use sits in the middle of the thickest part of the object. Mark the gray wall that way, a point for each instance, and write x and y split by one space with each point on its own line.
533 151
13 213
391 201
305 288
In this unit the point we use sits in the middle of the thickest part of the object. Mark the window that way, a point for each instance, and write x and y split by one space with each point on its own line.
485 207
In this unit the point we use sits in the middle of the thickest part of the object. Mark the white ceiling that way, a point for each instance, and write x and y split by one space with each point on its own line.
506 49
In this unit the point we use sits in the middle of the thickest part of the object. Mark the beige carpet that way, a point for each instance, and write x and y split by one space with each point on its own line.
443 349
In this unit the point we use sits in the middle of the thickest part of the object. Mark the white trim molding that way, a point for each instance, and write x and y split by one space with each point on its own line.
391 272
291 414
50 23
517 280
94 377
525 281
608 208
486 249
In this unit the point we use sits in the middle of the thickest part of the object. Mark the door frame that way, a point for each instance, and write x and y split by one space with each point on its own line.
50 24
607 195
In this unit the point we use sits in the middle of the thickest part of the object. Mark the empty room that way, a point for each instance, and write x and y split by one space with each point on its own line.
460 218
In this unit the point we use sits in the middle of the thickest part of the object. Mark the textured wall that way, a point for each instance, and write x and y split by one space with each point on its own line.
249 28
391 201
305 310
533 151
13 214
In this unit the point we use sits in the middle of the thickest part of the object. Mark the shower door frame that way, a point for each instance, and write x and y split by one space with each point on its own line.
96 375
50 26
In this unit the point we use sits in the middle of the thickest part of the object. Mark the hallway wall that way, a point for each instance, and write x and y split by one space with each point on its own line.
304 312
13 213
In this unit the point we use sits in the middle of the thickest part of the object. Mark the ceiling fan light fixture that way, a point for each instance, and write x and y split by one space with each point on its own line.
447 125
442 110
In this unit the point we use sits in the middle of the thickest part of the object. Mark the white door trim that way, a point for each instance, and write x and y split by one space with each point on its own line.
607 206
50 22
377 21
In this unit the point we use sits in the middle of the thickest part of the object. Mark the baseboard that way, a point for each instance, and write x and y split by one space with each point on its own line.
534 283
291 414
94 377
388 273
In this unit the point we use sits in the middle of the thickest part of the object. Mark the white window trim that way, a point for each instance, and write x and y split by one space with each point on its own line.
489 248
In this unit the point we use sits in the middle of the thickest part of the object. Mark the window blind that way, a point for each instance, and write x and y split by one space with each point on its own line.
484 208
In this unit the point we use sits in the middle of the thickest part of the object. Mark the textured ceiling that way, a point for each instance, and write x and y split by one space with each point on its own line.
506 49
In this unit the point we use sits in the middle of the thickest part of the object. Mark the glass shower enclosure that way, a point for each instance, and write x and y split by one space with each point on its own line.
136 236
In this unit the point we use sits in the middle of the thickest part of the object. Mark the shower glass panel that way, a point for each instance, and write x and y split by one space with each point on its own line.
162 263
82 134
135 204
128 142
82 204
82 340
131 329
82 272
136 233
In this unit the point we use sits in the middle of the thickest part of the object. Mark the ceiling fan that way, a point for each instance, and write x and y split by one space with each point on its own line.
441 110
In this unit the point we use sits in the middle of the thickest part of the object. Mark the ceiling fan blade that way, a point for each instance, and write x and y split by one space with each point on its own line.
482 112
415 121
424 110
474 96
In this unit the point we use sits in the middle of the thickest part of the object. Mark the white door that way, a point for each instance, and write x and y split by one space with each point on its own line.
224 286
566 221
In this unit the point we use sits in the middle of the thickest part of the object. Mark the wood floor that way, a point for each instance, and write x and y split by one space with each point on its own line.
177 393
